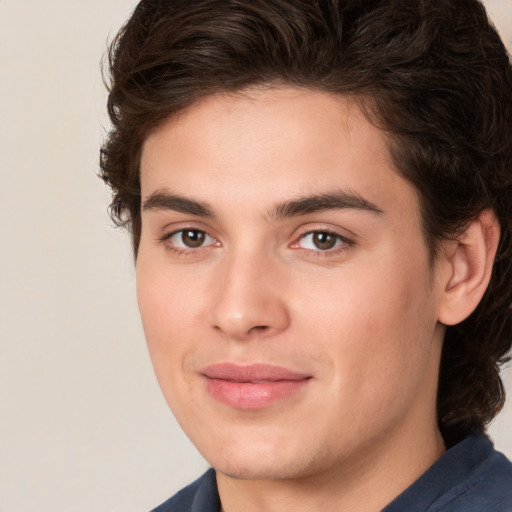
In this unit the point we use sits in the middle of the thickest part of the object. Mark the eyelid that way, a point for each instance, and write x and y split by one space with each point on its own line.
166 237
170 229
300 234
347 241
184 230
338 240
343 233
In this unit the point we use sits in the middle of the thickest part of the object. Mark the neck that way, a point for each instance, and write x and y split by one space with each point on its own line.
365 483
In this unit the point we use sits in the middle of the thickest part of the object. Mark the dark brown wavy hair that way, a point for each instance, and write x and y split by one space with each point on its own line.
433 74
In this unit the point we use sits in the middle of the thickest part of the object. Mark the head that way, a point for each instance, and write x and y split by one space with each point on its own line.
432 76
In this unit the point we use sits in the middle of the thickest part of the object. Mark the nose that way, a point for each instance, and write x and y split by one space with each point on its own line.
250 300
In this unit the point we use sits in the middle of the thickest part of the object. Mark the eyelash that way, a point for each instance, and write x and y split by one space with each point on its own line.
345 244
318 253
182 251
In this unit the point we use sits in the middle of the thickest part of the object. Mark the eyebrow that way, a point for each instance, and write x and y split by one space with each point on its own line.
339 200
163 200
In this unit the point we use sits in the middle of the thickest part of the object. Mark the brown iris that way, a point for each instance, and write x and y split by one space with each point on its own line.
324 241
193 238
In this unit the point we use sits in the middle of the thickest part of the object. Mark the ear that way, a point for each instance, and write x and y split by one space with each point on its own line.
468 263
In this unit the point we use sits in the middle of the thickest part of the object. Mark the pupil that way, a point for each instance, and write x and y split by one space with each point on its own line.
193 238
324 241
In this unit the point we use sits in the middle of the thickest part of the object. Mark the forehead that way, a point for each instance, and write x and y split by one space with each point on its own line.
232 147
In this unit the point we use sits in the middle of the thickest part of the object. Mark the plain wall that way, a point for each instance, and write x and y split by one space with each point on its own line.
83 426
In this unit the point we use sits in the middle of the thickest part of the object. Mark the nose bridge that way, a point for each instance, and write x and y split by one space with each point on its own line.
248 300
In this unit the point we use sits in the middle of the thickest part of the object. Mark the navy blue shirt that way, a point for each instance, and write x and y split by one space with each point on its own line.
470 477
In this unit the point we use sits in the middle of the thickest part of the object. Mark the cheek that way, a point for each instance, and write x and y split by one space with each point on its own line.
169 298
168 319
376 324
169 307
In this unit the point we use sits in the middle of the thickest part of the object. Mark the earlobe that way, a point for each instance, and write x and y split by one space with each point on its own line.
469 261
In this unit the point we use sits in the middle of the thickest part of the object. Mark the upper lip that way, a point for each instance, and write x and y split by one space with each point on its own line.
251 372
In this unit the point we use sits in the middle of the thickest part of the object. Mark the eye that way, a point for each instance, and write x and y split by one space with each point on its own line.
189 239
321 241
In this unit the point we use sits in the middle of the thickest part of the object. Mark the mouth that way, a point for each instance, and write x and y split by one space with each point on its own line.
253 386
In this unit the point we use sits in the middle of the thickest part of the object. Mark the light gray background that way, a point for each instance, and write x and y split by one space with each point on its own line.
83 426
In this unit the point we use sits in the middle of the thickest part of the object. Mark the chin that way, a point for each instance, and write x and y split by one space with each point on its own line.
263 470
272 461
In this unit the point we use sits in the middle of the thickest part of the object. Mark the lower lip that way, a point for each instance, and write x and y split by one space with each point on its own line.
253 395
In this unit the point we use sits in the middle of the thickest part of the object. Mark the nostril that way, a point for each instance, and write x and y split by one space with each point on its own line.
259 328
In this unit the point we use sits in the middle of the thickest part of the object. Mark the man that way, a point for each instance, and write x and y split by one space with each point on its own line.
319 199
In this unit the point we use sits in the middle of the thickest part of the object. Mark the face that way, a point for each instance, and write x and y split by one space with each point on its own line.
284 285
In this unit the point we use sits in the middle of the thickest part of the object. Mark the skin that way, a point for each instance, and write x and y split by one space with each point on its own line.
361 318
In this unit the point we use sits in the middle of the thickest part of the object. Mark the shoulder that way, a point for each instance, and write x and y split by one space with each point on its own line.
200 496
470 477
488 487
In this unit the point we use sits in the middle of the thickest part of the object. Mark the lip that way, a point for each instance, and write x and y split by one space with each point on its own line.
253 386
